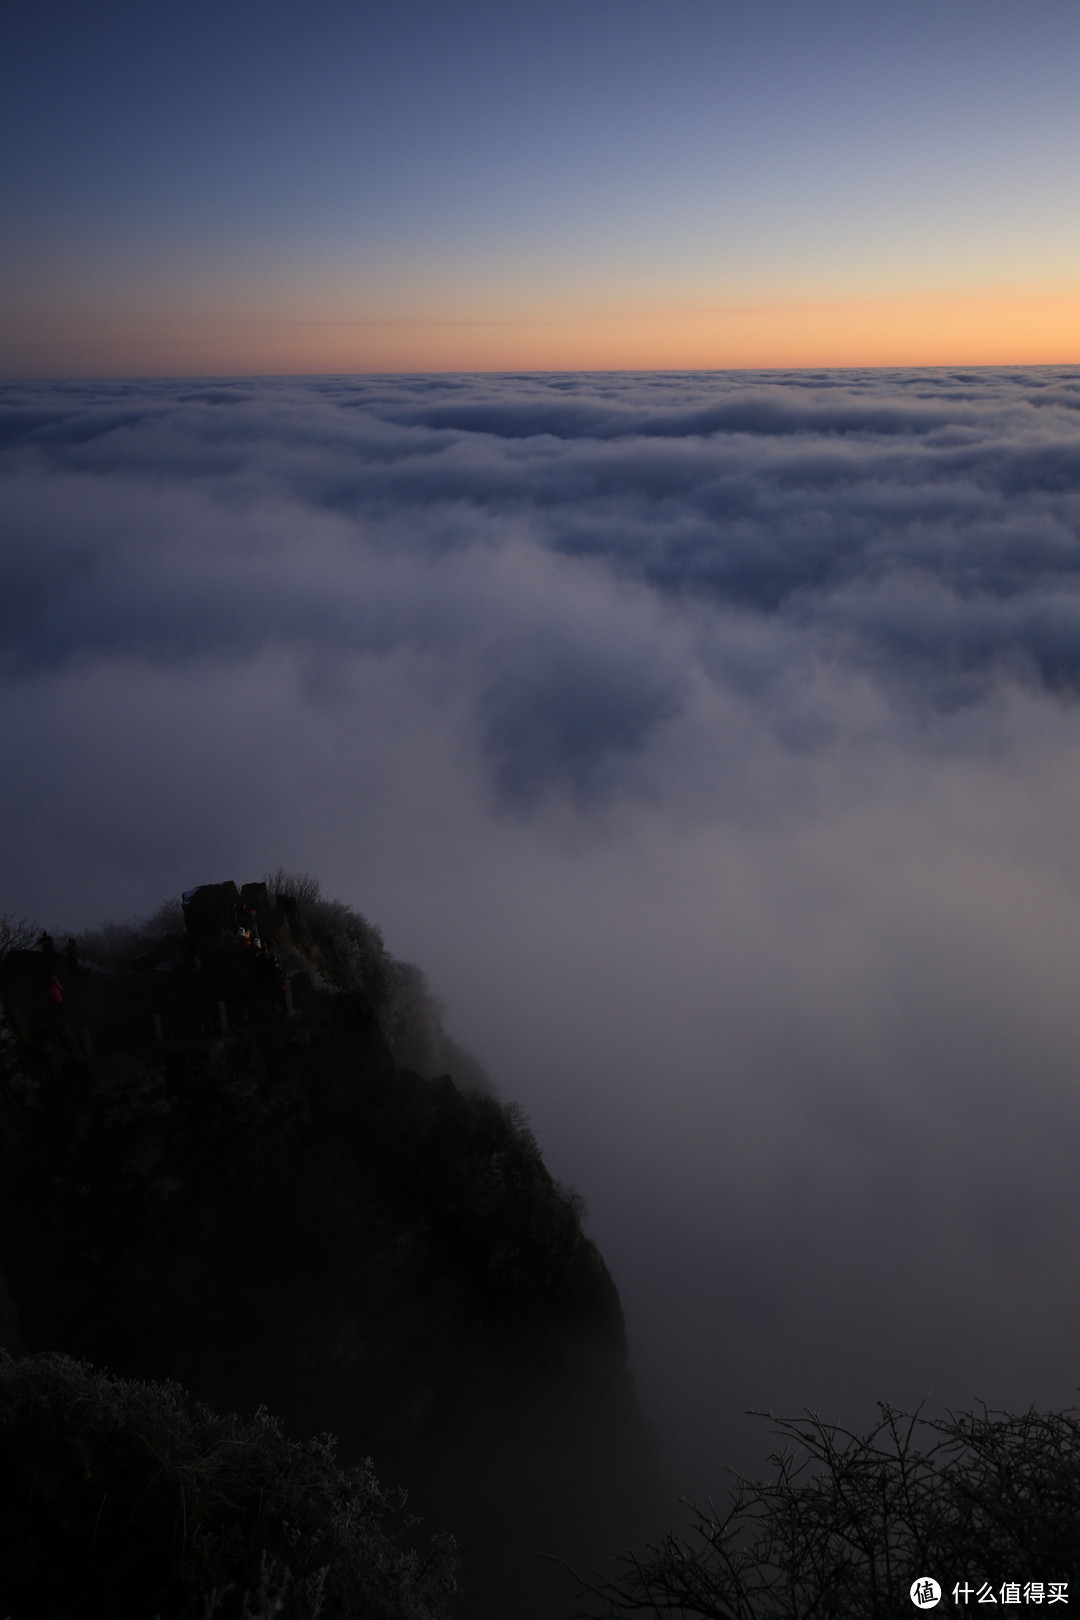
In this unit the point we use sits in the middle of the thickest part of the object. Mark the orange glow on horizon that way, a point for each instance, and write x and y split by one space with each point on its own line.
1014 326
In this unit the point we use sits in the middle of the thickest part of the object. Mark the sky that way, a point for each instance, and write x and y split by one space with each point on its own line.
710 740
242 189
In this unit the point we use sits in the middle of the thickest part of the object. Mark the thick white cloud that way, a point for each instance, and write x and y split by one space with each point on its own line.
710 741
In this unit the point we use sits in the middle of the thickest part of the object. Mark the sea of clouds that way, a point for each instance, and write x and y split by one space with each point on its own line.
712 743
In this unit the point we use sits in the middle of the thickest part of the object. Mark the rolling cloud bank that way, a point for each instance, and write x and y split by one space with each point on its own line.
712 743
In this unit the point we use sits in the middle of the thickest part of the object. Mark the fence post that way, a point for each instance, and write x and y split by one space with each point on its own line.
223 1015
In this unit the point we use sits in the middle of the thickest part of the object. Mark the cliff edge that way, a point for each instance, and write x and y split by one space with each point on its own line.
217 1169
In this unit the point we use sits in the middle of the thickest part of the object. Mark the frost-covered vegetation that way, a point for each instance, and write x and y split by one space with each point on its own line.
979 1501
16 934
346 952
357 959
130 1499
118 941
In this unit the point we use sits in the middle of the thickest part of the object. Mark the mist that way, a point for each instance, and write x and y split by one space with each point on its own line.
711 741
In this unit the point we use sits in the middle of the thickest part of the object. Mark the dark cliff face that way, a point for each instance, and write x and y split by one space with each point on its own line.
282 1215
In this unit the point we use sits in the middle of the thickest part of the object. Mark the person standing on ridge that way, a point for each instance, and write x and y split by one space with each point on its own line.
54 994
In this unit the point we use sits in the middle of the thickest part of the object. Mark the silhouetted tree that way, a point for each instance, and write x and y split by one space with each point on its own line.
17 934
850 1521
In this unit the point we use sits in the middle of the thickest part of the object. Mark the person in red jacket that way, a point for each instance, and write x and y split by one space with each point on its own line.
54 994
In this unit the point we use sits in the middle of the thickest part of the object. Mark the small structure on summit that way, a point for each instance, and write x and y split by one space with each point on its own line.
211 912
216 913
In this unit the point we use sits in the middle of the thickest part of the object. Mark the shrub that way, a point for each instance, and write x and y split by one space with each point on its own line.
130 1500
850 1521
410 1013
115 942
17 934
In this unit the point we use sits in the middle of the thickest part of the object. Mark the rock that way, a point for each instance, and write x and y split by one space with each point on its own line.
211 912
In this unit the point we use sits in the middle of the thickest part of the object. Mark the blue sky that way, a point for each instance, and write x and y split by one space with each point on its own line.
191 182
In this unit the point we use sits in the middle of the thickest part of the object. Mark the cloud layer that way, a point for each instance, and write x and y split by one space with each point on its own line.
712 743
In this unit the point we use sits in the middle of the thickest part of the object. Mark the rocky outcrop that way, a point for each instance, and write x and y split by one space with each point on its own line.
283 1215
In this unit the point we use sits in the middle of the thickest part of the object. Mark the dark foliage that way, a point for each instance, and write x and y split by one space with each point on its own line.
354 957
120 941
850 1521
283 1212
16 934
130 1500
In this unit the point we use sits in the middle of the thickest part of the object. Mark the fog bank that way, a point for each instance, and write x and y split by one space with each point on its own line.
711 742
